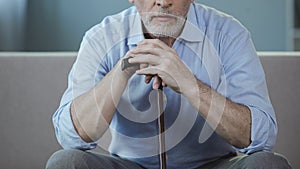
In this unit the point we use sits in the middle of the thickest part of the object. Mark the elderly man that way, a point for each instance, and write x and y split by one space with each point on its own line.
215 95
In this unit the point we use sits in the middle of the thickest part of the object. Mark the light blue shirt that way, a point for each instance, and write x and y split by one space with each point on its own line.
220 53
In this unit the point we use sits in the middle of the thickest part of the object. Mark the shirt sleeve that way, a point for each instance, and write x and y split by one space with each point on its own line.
87 70
246 85
65 132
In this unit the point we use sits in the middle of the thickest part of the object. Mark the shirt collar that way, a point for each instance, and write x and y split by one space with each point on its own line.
136 32
190 32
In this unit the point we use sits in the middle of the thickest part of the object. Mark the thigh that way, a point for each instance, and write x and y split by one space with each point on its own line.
78 159
259 160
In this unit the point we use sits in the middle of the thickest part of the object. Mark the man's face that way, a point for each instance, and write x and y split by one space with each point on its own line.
163 18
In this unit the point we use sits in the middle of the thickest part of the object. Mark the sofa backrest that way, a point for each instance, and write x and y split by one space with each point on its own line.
30 90
33 83
283 79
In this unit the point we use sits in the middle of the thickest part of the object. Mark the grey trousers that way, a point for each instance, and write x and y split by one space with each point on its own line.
77 159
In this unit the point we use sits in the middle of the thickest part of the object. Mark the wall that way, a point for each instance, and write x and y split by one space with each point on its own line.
297 25
58 25
12 24
269 21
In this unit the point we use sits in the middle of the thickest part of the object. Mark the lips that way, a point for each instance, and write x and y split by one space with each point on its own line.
163 18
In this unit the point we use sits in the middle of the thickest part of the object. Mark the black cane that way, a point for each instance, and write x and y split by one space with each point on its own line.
161 121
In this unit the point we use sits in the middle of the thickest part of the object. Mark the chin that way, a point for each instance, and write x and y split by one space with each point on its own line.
163 35
164 32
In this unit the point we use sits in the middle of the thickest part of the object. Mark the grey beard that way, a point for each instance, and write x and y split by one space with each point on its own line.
164 29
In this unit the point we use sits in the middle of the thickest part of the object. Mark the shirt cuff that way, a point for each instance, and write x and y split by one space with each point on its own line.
65 131
263 132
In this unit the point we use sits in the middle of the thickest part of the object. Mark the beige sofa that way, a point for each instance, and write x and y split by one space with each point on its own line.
32 84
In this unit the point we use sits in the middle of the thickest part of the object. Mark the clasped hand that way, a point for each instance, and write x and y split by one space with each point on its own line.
157 60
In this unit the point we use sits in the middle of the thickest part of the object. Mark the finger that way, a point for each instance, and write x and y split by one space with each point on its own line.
148 78
156 82
148 59
128 54
148 71
164 84
143 65
147 49
154 46
154 42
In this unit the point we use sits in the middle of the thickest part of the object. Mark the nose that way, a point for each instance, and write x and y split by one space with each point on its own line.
164 3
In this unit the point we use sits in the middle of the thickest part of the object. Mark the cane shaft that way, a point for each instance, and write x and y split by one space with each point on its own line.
161 121
161 128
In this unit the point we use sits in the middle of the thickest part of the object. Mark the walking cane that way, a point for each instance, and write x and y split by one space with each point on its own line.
161 128
161 121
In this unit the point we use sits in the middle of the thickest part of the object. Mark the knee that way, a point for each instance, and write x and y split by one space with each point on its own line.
65 159
266 160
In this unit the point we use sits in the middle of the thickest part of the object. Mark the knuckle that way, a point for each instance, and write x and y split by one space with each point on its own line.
151 46
156 40
167 62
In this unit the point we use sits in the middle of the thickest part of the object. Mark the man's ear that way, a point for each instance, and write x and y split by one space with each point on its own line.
131 1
